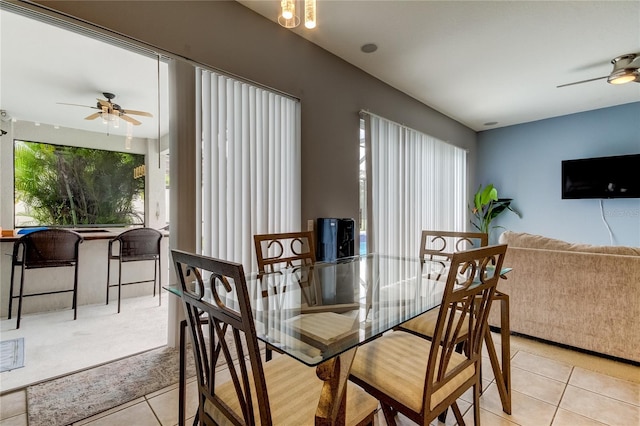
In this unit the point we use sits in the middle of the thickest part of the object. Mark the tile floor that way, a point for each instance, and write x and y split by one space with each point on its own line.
56 345
551 386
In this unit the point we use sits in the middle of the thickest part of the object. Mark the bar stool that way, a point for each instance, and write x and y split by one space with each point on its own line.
136 245
48 248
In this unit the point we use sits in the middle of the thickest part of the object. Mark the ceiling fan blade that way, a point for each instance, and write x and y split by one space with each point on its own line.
133 112
85 106
93 116
102 102
130 120
583 81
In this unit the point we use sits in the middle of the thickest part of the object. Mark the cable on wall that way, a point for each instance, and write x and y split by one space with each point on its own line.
605 222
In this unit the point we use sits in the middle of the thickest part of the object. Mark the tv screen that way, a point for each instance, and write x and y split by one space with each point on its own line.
59 185
603 177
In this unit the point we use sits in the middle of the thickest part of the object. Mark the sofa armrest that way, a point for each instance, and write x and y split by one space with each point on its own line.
586 300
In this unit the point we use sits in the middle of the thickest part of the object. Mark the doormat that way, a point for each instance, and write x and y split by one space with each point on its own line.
11 354
77 396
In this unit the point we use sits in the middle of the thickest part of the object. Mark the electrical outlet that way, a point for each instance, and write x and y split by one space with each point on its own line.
310 225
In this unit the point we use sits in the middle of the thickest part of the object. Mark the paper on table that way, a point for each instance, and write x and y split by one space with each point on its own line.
323 328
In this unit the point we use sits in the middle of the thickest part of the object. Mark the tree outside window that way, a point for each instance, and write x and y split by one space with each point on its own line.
59 185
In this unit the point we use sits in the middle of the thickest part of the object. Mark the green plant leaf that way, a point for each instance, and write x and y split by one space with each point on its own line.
487 206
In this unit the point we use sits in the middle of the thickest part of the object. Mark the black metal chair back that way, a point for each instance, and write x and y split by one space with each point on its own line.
47 248
136 245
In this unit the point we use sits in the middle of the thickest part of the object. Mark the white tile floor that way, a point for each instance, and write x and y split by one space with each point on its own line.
551 386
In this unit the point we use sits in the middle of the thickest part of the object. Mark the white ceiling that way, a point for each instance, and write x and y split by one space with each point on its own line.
44 65
474 61
484 61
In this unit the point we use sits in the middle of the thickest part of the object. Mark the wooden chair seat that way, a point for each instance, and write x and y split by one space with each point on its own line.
294 392
424 325
405 376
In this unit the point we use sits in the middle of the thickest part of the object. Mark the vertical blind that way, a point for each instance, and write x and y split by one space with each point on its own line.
415 182
250 167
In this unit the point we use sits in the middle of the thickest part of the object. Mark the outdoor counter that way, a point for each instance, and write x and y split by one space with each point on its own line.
92 275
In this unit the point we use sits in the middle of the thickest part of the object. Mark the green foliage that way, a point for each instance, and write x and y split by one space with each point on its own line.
77 186
487 206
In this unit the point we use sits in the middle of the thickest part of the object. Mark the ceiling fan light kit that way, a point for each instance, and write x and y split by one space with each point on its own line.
623 76
624 71
111 114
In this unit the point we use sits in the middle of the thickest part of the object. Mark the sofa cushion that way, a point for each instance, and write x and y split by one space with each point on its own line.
522 239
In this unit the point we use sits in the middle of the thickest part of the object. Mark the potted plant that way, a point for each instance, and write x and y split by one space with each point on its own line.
487 206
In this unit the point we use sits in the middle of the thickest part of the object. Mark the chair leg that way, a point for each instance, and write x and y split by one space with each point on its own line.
476 402
458 414
20 298
108 275
75 292
13 268
268 354
389 414
119 283
155 276
159 282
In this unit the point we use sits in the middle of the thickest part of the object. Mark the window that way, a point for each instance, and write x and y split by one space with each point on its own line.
61 105
413 182
250 165
73 186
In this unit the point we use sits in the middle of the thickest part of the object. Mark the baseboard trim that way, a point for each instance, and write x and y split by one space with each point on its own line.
573 348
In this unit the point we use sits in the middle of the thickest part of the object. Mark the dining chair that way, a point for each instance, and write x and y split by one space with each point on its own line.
436 248
234 386
420 378
47 248
136 245
284 250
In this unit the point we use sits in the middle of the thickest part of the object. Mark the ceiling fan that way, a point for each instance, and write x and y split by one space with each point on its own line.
625 70
110 111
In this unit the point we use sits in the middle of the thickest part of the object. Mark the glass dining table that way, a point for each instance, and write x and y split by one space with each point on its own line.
319 314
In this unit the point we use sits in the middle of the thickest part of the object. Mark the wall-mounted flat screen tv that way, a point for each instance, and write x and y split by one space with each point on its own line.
602 177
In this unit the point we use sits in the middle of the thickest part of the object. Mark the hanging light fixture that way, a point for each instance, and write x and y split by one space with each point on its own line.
289 14
288 8
310 14
288 17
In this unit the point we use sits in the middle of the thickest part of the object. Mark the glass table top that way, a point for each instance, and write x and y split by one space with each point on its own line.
314 313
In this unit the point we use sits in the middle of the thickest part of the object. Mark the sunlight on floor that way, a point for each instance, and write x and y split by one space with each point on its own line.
56 345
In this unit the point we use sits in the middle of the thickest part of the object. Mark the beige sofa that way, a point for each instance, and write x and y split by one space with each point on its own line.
579 295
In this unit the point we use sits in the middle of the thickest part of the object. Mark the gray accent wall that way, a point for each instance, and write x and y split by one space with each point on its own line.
524 163
227 36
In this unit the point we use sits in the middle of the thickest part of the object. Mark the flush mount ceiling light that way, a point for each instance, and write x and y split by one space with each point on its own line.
289 14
